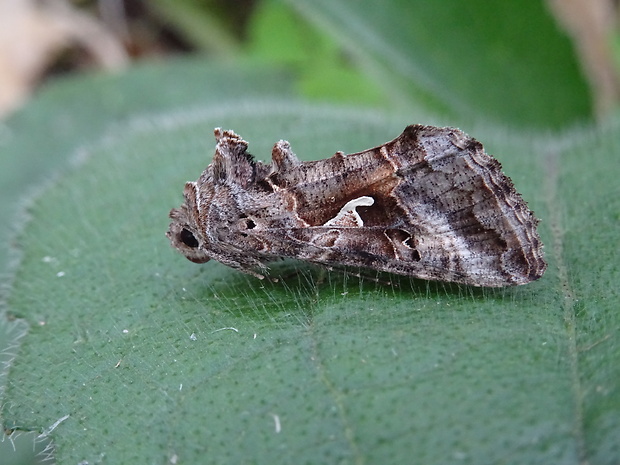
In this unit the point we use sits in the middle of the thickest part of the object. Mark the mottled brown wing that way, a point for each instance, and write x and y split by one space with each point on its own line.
441 209
430 204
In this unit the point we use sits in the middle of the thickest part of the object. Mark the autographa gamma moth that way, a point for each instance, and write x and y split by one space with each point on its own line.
429 204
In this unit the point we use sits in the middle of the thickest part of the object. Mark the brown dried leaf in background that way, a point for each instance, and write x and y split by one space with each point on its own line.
591 25
33 33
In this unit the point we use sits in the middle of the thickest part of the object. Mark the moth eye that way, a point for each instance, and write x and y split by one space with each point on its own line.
188 238
250 224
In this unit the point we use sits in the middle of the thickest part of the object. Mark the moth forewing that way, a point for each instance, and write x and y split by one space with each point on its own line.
430 204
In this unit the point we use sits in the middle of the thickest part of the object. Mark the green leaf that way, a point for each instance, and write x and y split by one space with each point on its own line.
278 35
154 358
135 355
59 125
37 143
18 447
584 207
26 448
200 23
504 61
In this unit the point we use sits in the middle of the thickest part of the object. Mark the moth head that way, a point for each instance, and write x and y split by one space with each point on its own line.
184 230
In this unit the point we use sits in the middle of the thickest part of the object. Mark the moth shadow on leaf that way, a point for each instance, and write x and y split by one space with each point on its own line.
343 279
298 290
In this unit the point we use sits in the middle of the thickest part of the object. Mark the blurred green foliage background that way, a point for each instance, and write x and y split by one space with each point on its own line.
123 352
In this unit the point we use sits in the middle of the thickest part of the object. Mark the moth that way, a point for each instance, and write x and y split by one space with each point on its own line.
429 204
